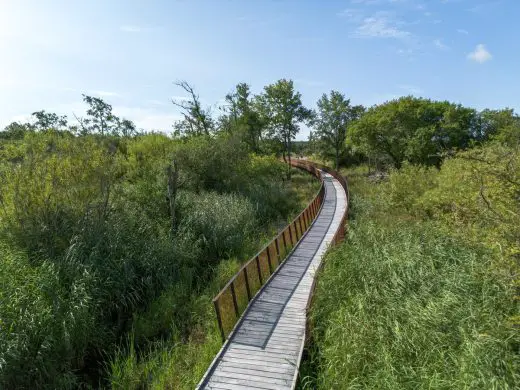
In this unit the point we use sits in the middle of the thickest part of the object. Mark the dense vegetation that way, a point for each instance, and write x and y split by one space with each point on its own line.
424 292
113 241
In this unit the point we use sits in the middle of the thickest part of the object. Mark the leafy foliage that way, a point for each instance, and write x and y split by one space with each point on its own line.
242 116
282 108
85 225
333 118
197 120
416 130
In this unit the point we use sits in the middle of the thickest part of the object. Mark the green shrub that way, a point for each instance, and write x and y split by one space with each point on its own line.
220 222
406 185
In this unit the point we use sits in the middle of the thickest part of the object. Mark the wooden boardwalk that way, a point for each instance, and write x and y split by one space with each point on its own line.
265 348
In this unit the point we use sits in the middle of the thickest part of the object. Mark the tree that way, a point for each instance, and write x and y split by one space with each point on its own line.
333 118
101 120
124 127
242 116
283 110
100 117
197 120
415 130
502 125
16 130
49 120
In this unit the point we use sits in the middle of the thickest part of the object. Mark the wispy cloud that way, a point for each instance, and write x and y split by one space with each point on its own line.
105 93
439 45
157 102
130 29
181 98
352 14
381 25
462 31
148 119
480 54
485 7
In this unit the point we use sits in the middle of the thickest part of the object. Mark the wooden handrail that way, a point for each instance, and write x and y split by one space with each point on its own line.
228 313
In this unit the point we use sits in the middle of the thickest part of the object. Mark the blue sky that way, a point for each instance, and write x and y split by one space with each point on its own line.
129 52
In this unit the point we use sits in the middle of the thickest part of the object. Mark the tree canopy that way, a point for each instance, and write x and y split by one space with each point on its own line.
283 111
414 129
334 115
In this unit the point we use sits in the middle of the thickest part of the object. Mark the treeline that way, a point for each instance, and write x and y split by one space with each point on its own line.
415 130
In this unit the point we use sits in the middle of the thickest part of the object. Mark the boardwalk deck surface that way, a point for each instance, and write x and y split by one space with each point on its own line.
264 351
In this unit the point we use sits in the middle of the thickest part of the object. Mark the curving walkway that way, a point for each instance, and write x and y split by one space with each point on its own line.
264 350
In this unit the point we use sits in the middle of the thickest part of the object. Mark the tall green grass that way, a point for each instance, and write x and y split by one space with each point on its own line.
95 270
407 303
181 356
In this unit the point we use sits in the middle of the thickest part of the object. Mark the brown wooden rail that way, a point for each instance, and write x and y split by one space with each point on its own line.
235 296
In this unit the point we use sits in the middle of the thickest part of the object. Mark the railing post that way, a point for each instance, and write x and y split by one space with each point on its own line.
301 228
235 303
259 271
290 234
277 246
269 260
284 242
248 290
219 320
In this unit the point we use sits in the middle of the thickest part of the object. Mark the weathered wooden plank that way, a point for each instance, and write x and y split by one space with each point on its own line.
235 377
240 369
276 369
263 352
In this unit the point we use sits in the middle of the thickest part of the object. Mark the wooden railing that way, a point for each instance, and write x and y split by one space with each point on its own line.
235 296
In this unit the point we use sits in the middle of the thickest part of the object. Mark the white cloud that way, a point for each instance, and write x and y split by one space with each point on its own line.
131 29
381 25
157 102
105 93
16 118
353 15
462 31
438 43
150 120
480 54
181 98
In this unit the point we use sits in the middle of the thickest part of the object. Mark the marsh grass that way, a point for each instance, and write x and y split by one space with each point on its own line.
404 305
179 358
